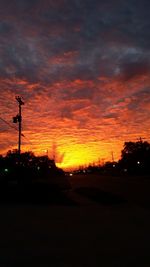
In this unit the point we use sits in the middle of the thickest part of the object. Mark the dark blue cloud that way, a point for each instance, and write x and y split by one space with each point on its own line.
110 37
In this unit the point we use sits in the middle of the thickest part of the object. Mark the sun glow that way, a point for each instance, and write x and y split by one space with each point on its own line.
77 155
72 156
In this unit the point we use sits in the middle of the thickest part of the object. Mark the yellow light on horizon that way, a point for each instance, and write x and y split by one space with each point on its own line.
71 155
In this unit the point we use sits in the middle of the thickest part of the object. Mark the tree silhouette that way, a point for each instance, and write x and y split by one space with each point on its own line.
27 167
135 157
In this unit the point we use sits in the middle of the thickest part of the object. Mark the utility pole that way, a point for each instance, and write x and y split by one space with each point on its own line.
18 118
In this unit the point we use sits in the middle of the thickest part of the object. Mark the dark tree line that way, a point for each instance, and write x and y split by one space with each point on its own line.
135 157
27 167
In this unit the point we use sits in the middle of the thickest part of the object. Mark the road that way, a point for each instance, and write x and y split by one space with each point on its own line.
88 233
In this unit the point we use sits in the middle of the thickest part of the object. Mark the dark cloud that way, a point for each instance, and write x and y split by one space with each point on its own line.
34 31
140 100
135 69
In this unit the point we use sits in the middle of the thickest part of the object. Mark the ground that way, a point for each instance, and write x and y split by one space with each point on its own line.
106 222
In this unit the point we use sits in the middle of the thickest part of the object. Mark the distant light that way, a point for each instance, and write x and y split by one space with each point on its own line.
84 171
70 174
138 162
125 170
38 168
114 165
6 170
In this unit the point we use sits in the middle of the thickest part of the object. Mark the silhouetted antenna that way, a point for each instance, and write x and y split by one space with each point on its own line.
112 156
18 119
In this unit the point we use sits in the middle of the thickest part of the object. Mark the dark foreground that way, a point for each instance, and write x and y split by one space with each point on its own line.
100 222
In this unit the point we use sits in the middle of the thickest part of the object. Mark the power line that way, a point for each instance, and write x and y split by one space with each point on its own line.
15 129
9 124
18 119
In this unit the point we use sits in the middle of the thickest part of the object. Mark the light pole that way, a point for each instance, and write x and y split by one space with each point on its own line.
18 118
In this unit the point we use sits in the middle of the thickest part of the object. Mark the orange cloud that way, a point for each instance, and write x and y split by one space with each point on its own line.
87 119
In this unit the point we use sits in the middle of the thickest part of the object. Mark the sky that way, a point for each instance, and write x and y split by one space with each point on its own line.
83 71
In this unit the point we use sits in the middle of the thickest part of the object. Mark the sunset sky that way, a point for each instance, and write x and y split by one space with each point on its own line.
82 68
